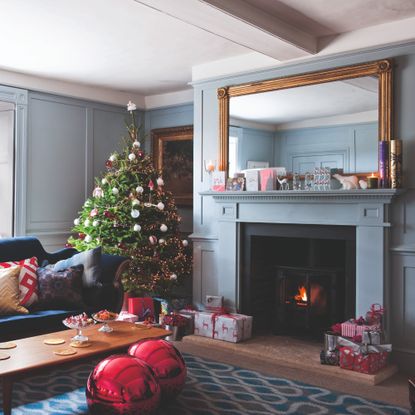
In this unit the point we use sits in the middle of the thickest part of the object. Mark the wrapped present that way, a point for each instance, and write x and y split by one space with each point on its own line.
371 337
190 326
354 328
228 327
162 306
126 316
362 362
214 303
203 324
375 314
142 307
232 327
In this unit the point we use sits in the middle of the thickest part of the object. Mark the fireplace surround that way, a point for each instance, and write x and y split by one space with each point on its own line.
367 211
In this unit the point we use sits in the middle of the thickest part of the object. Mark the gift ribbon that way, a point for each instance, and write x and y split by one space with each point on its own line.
376 311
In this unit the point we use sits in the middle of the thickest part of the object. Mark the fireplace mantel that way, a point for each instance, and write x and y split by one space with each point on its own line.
367 210
301 196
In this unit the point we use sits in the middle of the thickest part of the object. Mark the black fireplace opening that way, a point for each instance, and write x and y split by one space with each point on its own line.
297 279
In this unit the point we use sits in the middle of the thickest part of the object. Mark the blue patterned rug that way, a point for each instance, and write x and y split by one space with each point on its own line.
212 388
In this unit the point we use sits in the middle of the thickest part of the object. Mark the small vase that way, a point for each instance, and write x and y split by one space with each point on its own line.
175 335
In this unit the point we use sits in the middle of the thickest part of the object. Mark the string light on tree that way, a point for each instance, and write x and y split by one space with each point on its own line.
159 259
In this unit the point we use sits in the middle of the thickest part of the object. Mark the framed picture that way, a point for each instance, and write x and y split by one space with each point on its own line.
250 164
235 184
172 150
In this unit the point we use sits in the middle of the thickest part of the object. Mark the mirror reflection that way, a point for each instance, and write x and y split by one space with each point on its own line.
332 124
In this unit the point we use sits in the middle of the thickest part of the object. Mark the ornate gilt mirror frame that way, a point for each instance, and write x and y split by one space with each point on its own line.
382 69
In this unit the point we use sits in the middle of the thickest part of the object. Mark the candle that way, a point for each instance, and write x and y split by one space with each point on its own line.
372 181
210 166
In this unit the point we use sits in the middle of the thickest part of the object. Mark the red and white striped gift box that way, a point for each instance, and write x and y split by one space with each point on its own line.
351 329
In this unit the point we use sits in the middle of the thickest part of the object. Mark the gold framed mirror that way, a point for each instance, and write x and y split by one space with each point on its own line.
363 77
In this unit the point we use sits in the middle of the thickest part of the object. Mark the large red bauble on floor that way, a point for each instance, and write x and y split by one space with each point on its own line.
167 363
122 384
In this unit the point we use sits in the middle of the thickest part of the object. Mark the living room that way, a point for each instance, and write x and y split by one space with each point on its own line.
196 72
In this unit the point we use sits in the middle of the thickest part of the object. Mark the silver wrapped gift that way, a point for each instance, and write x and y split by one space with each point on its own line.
371 337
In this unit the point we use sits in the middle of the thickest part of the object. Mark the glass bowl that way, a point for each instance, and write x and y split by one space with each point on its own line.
105 327
78 326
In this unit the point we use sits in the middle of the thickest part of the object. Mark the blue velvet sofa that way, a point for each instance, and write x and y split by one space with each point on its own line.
108 294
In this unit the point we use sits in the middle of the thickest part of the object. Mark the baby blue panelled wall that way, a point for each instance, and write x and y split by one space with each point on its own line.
176 116
62 145
400 282
68 142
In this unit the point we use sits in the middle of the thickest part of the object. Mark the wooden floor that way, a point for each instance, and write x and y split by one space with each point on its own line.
299 360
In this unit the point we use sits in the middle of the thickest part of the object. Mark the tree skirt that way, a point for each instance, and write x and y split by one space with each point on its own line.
212 388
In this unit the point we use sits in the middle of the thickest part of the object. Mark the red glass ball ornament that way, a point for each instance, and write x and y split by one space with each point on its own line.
81 235
68 245
107 214
140 153
167 363
108 164
122 384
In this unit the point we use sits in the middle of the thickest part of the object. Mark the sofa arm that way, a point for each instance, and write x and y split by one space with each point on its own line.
64 253
109 292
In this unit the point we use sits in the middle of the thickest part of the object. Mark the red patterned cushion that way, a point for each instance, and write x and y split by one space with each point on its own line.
27 279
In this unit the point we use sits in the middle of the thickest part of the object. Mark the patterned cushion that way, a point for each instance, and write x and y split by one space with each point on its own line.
91 261
62 289
9 291
27 279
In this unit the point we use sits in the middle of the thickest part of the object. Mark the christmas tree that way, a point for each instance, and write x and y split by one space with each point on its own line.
130 214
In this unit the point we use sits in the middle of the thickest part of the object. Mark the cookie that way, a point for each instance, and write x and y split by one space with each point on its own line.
8 345
53 341
64 352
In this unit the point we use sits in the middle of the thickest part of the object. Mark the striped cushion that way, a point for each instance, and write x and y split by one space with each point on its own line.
27 279
9 291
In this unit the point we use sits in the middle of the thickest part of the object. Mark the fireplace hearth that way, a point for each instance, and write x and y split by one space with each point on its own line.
298 279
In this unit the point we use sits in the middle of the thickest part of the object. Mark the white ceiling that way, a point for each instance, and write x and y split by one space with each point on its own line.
151 46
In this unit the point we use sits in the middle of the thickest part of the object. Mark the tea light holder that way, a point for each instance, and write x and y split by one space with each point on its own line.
372 182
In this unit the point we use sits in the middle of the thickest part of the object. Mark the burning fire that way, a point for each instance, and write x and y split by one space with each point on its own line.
302 295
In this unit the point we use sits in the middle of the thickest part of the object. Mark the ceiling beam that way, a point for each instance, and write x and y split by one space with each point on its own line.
241 23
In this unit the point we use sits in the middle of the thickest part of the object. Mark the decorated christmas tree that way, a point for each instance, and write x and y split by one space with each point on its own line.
130 214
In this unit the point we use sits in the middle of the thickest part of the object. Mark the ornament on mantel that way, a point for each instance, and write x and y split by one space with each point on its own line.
137 228
136 144
113 157
160 205
135 202
160 182
173 277
163 228
76 222
135 213
139 189
93 213
151 185
87 222
152 239
115 191
185 242
88 239
131 157
95 223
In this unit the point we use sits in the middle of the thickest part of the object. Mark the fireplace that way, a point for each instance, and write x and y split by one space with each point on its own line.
221 259
297 279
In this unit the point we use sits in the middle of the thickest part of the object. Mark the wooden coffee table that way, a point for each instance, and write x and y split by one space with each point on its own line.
32 354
